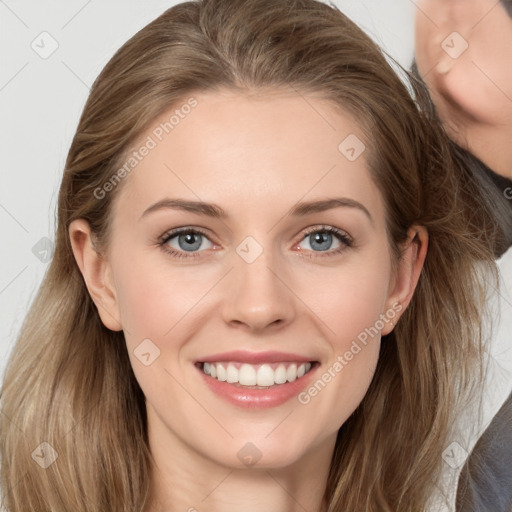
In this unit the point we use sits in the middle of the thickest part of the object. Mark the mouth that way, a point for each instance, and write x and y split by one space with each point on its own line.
256 376
256 380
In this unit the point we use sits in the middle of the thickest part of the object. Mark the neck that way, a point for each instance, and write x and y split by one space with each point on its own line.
182 479
234 491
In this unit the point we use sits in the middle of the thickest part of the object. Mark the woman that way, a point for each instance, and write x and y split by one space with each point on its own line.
245 212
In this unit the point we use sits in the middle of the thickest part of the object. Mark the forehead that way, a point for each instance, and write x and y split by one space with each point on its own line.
263 150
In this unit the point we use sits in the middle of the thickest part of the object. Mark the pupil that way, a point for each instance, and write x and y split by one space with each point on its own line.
190 244
319 238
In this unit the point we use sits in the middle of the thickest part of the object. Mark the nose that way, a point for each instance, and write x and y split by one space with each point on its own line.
259 295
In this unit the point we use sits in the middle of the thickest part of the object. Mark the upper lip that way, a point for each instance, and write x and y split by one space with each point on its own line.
244 356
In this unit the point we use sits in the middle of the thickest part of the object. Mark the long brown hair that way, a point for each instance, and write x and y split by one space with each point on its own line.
69 382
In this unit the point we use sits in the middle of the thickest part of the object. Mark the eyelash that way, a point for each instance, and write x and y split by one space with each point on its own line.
345 240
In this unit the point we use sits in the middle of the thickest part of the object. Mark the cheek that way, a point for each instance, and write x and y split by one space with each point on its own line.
161 309
153 295
354 310
351 298
350 305
482 81
353 301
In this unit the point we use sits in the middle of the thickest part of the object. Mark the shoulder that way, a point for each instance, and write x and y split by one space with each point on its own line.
485 482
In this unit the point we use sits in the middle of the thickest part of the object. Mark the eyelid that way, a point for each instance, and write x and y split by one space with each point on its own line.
330 229
171 233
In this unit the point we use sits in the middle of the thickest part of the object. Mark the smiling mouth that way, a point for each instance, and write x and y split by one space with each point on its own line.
256 376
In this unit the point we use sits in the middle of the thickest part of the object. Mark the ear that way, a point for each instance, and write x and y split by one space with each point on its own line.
97 274
407 274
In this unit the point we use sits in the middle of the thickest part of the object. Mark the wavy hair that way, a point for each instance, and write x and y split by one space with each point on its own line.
69 382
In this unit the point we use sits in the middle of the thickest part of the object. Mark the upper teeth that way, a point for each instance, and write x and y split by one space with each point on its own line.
256 375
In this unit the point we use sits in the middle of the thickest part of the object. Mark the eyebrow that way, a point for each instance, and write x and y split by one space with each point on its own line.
215 211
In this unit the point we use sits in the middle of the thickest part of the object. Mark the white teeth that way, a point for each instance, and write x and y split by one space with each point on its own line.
280 374
263 375
221 373
247 375
291 373
232 373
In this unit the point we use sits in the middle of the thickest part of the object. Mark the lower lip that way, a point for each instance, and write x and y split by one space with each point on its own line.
258 398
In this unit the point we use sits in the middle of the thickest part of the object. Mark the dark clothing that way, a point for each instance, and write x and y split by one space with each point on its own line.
504 186
485 484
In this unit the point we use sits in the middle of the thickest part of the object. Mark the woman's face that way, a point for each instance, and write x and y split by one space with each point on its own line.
464 54
290 269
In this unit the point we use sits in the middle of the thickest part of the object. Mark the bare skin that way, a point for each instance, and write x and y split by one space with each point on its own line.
256 157
469 73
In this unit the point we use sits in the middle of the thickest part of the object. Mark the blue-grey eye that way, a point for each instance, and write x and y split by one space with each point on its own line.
188 241
321 240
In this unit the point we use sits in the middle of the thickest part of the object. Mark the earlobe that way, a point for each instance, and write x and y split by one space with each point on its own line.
96 272
408 272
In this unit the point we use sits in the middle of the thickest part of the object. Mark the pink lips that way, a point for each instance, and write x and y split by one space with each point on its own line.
265 398
244 356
